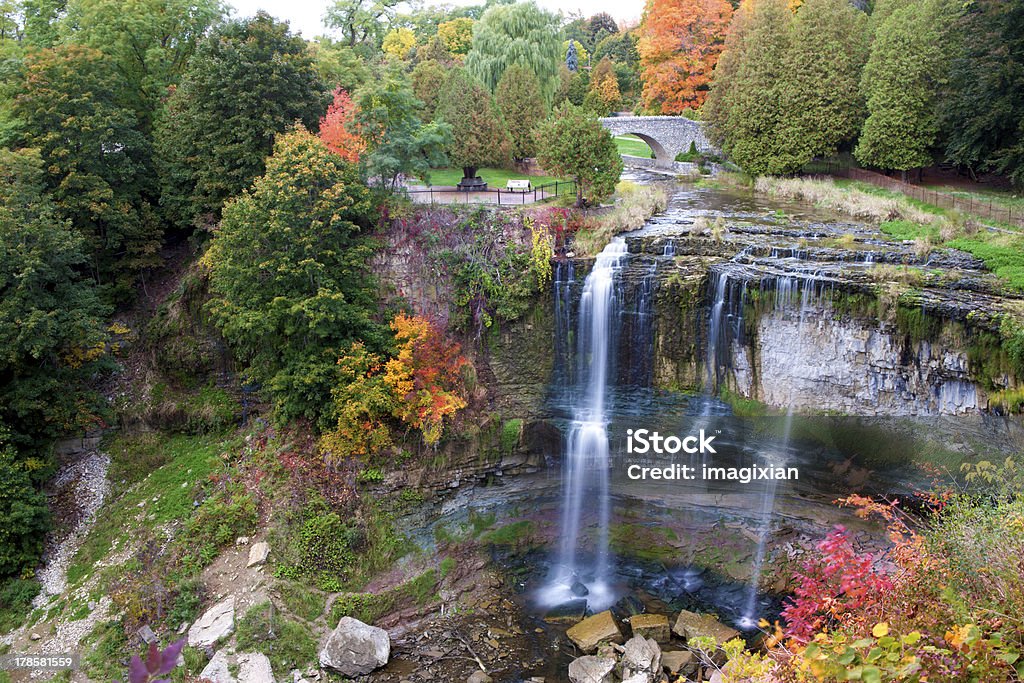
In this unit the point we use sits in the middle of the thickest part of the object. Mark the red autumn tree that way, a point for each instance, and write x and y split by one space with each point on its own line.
679 45
336 128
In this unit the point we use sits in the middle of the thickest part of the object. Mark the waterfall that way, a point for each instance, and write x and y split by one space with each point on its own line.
586 461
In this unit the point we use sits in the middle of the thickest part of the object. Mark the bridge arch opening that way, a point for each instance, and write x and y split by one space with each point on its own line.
631 146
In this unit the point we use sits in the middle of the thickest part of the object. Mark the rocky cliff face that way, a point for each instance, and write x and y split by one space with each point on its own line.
864 329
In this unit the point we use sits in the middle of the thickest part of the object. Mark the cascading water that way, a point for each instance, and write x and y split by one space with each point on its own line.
586 461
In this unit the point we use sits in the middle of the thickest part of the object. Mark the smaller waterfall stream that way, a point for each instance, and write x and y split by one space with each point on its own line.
586 460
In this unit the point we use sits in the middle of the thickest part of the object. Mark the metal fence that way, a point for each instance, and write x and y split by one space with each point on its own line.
494 196
977 206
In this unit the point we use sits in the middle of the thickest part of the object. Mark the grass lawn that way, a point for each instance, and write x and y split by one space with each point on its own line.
496 177
1005 198
633 146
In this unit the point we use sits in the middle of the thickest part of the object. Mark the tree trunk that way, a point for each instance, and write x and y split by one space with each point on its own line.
579 194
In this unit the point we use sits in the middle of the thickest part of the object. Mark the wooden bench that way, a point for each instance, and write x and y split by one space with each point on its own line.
518 185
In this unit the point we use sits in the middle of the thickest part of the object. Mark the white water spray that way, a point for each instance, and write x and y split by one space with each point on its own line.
585 482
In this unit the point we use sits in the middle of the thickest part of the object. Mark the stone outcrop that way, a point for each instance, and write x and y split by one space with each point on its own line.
653 626
355 648
216 623
258 554
641 657
692 625
251 667
594 630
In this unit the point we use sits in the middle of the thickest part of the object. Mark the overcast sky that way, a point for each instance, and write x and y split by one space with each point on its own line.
305 15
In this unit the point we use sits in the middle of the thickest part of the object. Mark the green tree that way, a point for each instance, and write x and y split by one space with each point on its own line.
361 22
99 165
821 102
289 279
982 109
427 82
248 81
479 137
522 107
901 83
148 42
398 142
50 315
24 516
41 21
519 33
745 106
339 65
574 144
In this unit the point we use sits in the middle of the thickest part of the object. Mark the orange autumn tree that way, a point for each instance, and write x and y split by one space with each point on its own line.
425 376
335 128
679 45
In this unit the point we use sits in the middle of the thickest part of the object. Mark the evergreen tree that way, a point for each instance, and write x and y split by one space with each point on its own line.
288 273
901 83
982 109
479 137
574 144
427 81
572 58
522 106
249 81
747 112
518 33
99 165
821 103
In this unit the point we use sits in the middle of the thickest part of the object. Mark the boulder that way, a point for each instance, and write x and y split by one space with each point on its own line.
593 630
592 669
479 677
216 623
678 661
258 554
628 606
570 612
654 626
692 625
218 670
254 667
355 648
641 656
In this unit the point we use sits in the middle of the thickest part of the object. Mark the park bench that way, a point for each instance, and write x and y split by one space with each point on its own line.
518 185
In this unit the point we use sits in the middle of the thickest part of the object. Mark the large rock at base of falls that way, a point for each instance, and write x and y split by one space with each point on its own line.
594 630
641 657
569 612
355 648
216 623
678 661
692 625
592 669
654 626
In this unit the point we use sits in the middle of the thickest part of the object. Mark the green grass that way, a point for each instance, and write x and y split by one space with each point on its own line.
301 600
633 146
188 463
496 178
287 643
369 607
998 197
514 535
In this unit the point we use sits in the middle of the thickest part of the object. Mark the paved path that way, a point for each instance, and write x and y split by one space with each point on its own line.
449 194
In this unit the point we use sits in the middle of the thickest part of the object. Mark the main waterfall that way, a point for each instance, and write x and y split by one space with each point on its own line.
586 460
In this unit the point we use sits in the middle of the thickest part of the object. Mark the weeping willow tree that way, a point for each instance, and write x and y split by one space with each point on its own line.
522 34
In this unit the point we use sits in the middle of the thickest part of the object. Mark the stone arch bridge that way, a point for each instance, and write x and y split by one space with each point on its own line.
667 136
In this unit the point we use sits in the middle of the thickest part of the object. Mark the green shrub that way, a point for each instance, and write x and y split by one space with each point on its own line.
15 600
187 602
227 514
316 544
